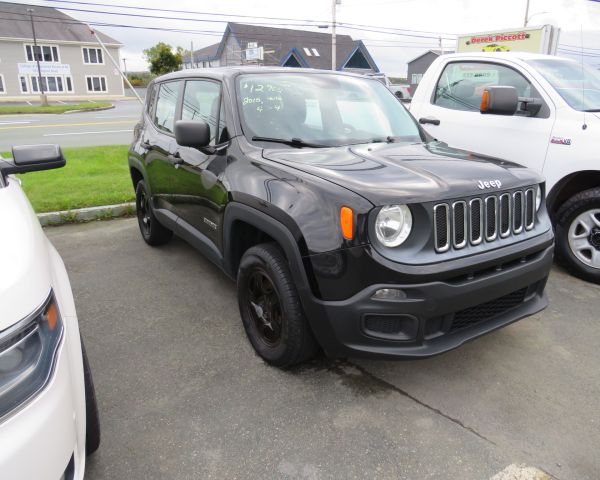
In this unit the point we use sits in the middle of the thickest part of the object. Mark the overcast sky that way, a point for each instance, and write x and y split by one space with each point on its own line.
391 52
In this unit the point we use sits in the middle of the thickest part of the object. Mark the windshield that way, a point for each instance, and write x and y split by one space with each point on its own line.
577 84
322 109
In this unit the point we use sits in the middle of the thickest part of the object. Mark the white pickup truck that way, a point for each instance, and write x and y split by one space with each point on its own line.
540 111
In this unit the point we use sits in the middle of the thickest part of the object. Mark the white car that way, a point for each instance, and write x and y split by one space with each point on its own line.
542 117
48 410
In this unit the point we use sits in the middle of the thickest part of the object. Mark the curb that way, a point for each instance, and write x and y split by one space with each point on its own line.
88 214
99 109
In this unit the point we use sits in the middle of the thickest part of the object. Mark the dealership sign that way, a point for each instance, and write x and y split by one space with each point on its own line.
536 40
47 68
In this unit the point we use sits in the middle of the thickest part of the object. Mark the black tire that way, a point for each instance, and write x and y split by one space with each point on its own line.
567 214
274 322
152 231
92 421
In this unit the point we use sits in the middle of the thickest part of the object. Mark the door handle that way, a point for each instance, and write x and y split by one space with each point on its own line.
175 159
145 145
430 120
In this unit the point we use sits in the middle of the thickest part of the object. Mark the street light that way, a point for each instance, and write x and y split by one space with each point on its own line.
37 53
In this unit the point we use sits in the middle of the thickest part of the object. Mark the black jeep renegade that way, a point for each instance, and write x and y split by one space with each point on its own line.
344 224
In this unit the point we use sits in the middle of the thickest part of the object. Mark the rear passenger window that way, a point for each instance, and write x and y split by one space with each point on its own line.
166 106
201 101
461 85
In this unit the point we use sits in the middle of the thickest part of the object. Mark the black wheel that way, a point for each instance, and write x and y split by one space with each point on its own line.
271 310
152 232
578 235
92 421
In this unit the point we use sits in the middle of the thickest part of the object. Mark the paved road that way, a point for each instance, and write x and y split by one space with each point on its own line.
183 396
106 127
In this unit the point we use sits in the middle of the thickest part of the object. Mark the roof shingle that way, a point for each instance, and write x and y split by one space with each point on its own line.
50 24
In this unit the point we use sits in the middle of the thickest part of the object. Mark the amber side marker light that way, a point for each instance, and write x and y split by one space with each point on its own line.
485 101
51 316
347 222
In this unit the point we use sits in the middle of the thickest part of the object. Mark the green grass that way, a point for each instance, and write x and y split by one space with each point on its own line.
52 108
93 176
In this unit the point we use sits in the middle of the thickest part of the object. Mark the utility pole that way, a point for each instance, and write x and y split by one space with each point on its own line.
333 40
441 45
191 54
526 13
37 53
125 65
114 62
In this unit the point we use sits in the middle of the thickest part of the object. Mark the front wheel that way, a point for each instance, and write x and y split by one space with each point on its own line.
270 308
92 420
578 235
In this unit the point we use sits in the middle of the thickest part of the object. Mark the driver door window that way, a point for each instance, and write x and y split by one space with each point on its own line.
202 101
461 84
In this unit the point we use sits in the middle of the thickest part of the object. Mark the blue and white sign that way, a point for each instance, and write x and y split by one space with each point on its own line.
48 68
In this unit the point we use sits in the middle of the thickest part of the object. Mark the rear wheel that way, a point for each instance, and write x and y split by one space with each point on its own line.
578 235
270 308
152 232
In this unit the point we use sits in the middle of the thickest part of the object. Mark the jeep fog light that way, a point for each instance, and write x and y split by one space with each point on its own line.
538 198
393 225
389 294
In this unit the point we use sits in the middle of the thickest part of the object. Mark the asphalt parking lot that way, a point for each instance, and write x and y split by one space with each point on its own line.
182 394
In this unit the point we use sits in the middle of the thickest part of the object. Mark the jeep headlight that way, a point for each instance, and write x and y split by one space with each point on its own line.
393 225
538 198
28 352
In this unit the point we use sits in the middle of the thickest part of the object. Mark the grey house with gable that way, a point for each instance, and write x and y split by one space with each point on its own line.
72 64
244 44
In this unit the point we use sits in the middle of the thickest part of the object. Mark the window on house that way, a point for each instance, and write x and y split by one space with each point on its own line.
92 55
69 82
24 84
2 87
96 83
43 53
415 78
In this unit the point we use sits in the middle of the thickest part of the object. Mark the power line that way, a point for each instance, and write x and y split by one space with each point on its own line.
195 12
257 35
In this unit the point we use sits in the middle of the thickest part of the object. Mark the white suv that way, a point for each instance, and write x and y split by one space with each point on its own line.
46 389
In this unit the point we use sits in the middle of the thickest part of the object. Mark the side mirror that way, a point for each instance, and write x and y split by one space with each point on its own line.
499 100
192 133
32 158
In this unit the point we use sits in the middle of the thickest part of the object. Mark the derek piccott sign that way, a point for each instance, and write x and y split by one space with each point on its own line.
535 39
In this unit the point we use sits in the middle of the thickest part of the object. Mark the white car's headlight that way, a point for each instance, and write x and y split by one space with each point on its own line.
393 225
28 352
538 197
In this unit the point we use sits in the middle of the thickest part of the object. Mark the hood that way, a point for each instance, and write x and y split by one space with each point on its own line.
25 277
386 173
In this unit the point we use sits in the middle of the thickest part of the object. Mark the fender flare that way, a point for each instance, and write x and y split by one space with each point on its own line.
313 309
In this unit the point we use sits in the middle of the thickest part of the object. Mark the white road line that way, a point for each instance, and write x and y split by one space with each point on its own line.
28 103
116 116
13 123
60 101
83 133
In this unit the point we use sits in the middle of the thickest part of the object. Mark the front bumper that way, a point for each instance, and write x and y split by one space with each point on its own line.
39 441
434 316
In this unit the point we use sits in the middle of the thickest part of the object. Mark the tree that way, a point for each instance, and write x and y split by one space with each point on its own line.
162 59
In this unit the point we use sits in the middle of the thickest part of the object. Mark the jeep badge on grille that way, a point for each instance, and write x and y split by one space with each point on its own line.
482 185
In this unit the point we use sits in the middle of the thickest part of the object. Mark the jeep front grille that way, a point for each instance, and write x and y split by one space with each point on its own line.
488 218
